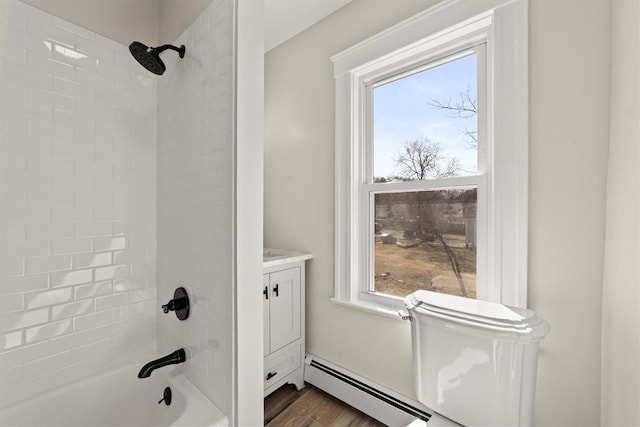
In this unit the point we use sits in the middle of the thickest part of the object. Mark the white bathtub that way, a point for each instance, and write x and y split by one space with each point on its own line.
118 398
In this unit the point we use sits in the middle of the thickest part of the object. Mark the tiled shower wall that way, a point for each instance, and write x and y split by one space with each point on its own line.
195 203
77 203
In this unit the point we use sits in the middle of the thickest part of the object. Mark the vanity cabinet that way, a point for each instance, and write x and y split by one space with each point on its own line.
283 293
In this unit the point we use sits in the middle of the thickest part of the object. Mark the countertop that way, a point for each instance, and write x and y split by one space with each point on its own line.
275 257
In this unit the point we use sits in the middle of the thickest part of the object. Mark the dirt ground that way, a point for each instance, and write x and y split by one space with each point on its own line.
401 270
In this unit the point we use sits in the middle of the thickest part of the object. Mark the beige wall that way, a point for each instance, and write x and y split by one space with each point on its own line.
569 125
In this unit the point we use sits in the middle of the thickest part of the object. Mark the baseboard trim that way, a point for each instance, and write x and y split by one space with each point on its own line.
384 405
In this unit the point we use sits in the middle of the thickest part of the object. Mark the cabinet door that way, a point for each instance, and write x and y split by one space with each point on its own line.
284 307
266 292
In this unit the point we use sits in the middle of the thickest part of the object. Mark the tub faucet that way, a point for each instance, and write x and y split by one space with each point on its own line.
176 357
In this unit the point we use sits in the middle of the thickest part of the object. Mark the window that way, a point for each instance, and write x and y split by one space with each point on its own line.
431 158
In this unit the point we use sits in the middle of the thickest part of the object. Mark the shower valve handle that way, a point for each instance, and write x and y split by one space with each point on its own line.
179 304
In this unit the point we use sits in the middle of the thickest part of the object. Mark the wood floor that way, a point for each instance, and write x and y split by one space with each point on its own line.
311 407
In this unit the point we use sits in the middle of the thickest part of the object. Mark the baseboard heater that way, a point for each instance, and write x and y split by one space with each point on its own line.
386 406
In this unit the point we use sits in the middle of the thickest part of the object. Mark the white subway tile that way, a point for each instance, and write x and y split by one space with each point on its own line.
37 231
71 165
92 260
108 68
71 341
93 170
91 350
72 309
24 354
66 214
71 183
69 278
42 299
94 200
96 49
27 248
71 373
110 214
92 290
47 364
49 66
109 243
70 246
50 330
128 311
143 294
11 303
13 267
111 329
73 89
19 391
13 232
111 360
92 229
75 58
48 264
24 215
11 375
45 197
24 284
92 320
23 319
69 150
129 283
11 340
56 166
111 301
112 272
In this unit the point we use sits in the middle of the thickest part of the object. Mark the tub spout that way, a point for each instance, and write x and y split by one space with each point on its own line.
177 356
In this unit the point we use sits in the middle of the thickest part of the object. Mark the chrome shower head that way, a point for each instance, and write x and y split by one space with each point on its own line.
149 57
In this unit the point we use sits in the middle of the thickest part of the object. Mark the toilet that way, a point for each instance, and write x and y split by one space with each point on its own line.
475 361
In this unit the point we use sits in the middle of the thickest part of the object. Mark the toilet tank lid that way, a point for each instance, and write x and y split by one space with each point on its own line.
478 313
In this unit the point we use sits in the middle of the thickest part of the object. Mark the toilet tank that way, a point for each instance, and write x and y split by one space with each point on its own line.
475 362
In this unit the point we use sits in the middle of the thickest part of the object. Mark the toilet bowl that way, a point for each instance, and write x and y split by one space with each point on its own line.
475 362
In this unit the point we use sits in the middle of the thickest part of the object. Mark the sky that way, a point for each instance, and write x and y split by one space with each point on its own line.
402 113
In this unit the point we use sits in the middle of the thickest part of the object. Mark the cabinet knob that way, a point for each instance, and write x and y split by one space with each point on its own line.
266 292
276 289
271 375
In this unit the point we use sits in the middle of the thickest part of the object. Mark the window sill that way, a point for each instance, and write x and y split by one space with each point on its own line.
369 307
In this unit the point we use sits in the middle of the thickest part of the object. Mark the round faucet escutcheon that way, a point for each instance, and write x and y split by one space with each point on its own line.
179 304
166 396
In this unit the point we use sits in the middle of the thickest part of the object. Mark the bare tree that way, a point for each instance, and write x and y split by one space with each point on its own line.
465 107
422 159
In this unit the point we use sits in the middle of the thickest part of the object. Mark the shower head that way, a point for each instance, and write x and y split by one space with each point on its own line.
149 57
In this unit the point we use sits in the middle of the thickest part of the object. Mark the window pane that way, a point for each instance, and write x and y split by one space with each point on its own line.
425 124
425 240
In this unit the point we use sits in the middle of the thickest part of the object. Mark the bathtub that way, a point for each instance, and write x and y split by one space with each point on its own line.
118 398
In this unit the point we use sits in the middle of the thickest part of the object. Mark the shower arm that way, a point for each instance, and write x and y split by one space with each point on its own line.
158 50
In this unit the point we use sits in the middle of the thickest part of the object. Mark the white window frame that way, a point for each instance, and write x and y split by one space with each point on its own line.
502 171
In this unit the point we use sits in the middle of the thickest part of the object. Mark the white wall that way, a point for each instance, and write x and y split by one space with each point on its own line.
569 131
621 293
195 199
569 124
249 141
77 207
